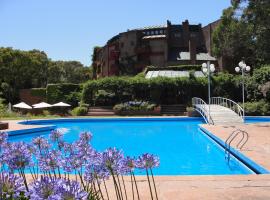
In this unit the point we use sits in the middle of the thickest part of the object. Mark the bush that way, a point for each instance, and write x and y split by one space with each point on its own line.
174 68
160 90
102 98
79 111
68 92
46 113
257 108
4 110
39 92
134 106
255 83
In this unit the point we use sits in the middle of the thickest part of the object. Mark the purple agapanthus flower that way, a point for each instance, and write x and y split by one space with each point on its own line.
3 139
50 161
56 189
113 160
95 169
73 162
86 137
130 164
11 185
17 155
41 143
146 161
56 135
69 190
44 188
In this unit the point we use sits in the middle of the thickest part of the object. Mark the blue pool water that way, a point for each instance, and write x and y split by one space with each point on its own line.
183 149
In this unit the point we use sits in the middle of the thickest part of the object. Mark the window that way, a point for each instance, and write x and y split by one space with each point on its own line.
193 35
132 43
160 32
152 32
177 35
122 44
157 32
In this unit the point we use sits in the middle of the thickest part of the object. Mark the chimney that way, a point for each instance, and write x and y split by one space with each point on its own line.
185 26
192 51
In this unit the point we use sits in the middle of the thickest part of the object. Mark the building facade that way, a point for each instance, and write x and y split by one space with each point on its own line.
161 46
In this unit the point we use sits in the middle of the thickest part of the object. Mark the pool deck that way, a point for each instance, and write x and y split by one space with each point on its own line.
235 187
14 126
258 146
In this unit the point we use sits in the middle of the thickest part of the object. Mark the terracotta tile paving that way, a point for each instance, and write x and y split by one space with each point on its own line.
13 126
236 187
258 146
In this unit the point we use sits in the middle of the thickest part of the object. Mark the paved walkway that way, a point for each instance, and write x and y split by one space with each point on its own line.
258 146
13 126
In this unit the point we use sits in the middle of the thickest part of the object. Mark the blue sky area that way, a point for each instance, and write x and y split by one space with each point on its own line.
69 29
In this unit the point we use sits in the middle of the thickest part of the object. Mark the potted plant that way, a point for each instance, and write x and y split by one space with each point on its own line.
191 112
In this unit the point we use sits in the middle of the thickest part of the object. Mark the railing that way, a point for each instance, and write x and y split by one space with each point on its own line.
239 145
228 103
203 108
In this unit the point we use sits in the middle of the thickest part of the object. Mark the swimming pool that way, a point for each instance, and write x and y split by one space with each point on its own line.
182 147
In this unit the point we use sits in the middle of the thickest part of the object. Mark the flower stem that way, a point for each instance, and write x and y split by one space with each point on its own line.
120 186
154 182
132 186
124 185
100 190
149 184
106 189
136 185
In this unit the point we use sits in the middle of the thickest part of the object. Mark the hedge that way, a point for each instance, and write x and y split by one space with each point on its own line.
256 83
67 92
39 92
174 68
159 90
162 90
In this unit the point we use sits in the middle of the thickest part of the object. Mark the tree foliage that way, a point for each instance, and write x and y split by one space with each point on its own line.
33 69
244 33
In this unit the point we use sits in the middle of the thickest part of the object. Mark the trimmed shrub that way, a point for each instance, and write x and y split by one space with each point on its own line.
39 92
175 68
68 92
160 90
256 82
134 106
102 98
227 86
79 111
257 108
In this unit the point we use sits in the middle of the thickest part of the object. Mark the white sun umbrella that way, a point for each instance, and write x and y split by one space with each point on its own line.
22 105
61 104
42 105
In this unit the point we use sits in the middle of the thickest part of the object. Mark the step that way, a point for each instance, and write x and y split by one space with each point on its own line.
100 113
99 110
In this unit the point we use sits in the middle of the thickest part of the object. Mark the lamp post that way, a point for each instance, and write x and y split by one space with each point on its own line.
207 68
243 68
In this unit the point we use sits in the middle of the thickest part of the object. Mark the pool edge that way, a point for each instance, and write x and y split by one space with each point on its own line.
258 169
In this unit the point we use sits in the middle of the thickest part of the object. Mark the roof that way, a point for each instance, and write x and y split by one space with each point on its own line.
199 56
154 36
171 74
151 27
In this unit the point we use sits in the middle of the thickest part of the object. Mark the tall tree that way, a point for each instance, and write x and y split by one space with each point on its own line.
28 69
244 33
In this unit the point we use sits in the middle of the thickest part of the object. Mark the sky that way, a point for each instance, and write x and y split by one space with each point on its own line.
69 29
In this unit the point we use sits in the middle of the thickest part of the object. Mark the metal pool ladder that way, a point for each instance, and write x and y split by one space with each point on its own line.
244 138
